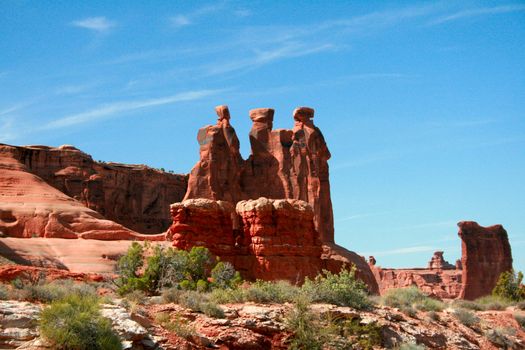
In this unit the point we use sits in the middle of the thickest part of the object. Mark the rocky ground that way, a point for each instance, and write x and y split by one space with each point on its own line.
157 325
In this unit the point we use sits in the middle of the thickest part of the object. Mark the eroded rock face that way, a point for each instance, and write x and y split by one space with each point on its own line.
485 254
135 196
30 207
263 238
289 164
446 284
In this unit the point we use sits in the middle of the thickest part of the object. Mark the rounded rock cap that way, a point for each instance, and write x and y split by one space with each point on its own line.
303 113
223 112
262 114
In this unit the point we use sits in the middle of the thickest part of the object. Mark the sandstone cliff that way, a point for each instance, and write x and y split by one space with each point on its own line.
135 196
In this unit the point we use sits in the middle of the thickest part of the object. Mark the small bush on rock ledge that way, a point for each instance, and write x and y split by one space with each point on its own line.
75 322
342 289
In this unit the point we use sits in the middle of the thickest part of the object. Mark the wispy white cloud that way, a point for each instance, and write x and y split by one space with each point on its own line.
262 57
183 20
482 11
180 21
119 108
360 216
97 24
72 89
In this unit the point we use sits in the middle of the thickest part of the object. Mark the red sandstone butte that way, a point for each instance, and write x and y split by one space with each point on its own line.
485 254
135 196
29 207
263 238
284 163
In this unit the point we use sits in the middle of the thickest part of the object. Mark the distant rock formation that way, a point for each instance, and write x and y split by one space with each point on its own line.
485 254
437 262
135 196
289 164
440 279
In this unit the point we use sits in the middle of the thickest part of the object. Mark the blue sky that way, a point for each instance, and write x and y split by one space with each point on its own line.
422 104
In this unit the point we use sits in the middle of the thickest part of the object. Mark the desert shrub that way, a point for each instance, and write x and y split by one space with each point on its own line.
342 289
224 275
270 292
55 290
167 267
224 296
177 325
493 302
410 346
200 303
409 299
361 336
466 317
429 304
509 286
304 325
136 296
74 322
499 336
520 319
521 305
171 295
4 293
467 304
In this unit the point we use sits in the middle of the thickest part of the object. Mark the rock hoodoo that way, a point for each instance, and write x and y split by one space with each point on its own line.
289 164
485 254
226 207
437 262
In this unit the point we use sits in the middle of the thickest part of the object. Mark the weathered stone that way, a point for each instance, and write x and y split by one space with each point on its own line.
135 196
485 254
437 262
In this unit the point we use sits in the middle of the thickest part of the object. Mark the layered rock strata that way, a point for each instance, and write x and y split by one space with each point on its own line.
263 238
485 254
134 196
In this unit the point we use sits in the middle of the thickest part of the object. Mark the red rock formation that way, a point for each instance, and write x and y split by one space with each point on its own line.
30 207
203 222
444 284
135 196
485 254
216 175
284 164
264 238
437 262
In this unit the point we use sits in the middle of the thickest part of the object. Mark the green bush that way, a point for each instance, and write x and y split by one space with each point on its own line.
75 323
409 299
171 295
178 325
429 304
304 325
466 317
200 303
467 304
271 292
499 336
493 302
167 267
225 296
509 286
365 336
4 293
224 276
342 289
